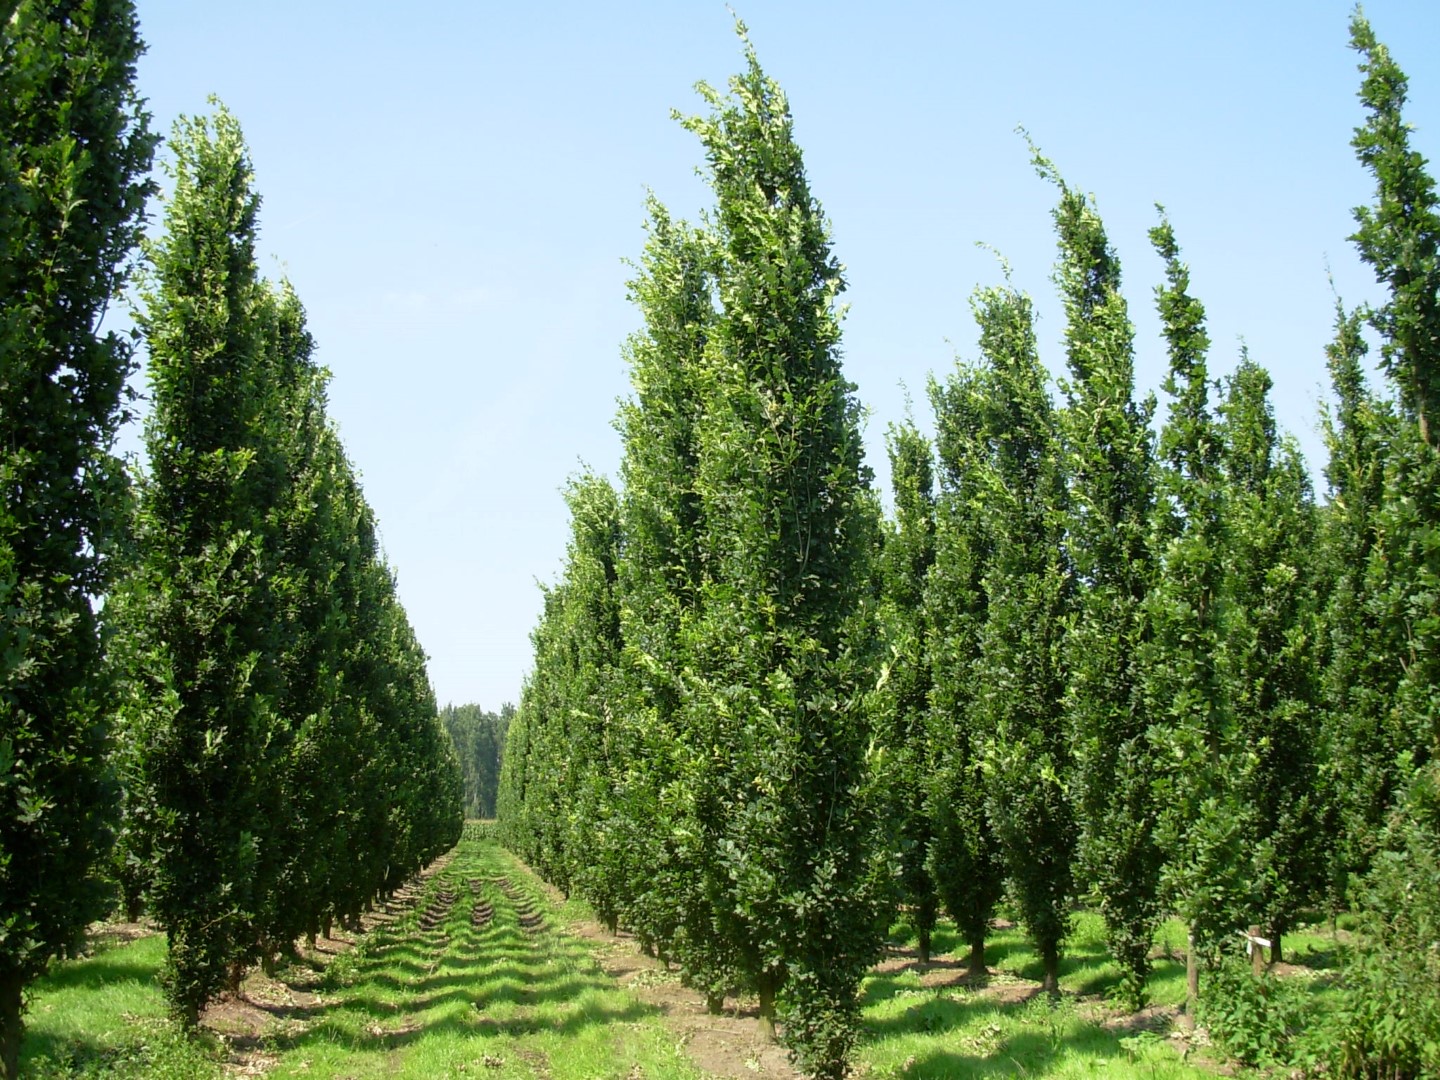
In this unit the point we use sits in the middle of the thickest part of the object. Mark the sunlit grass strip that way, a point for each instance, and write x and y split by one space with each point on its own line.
497 999
105 1016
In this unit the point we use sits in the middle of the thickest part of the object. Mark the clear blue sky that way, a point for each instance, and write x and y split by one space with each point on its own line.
453 190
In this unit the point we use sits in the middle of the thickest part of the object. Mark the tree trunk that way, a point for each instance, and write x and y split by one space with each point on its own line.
1192 980
925 926
1050 953
10 1026
1274 946
975 968
767 1008
714 1004
329 924
187 1013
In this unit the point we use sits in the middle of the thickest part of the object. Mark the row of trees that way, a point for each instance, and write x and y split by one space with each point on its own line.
479 738
209 658
279 745
1085 660
75 153
690 752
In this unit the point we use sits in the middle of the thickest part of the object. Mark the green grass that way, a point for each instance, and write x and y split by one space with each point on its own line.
1005 1029
503 1000
498 1000
104 1016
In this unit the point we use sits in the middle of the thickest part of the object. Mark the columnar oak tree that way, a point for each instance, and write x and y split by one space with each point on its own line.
783 625
668 810
209 612
1399 237
1109 452
1270 653
1028 585
1199 827
964 857
1358 679
75 151
902 699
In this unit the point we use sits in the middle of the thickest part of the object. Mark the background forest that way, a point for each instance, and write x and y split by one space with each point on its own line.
479 739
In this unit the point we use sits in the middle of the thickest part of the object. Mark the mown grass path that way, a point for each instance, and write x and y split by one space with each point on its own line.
470 978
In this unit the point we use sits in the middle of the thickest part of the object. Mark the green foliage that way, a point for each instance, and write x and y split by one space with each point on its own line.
202 594
1200 828
782 629
964 858
260 637
1270 654
901 702
665 820
1109 456
74 153
1026 758
1357 679
697 705
1399 236
1389 1024
558 758
1254 1020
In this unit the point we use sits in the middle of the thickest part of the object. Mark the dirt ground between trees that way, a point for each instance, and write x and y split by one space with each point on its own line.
726 1045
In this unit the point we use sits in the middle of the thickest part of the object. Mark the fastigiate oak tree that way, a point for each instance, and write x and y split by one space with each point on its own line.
75 153
1028 586
781 642
1109 454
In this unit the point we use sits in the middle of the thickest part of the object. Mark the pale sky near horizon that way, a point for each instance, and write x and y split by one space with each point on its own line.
454 193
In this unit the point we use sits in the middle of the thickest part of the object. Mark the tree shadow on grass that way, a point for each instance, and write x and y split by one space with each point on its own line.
930 1015
403 1029
1025 1054
98 971
505 981
965 1045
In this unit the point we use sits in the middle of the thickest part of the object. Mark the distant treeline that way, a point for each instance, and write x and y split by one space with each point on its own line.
479 738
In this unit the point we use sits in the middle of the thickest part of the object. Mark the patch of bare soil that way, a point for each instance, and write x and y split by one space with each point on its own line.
940 971
1157 1019
726 1045
105 935
943 971
247 1023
